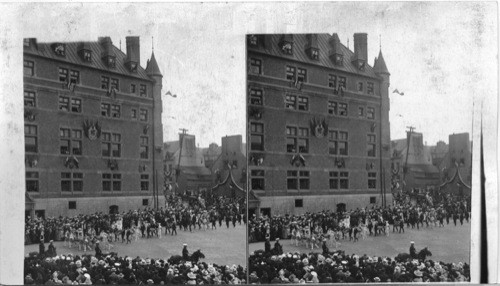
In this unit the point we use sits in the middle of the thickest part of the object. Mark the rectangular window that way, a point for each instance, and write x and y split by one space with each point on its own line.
291 180
132 88
343 150
30 138
143 114
373 200
29 68
299 203
334 180
332 81
106 182
257 179
72 205
63 75
145 202
370 113
344 180
111 145
333 108
255 66
115 83
76 105
303 140
290 73
143 90
300 182
361 112
70 141
291 139
104 82
257 136
342 82
29 98
332 142
290 101
360 86
117 182
65 182
256 96
32 182
371 145
144 147
106 109
372 180
144 182
77 182
303 103
87 55
301 75
74 77
115 111
133 113
304 180
343 109
63 103
370 88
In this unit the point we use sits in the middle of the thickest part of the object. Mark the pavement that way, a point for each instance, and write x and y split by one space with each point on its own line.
448 244
225 246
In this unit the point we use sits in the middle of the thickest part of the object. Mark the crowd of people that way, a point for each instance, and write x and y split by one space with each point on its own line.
431 210
206 212
337 267
113 269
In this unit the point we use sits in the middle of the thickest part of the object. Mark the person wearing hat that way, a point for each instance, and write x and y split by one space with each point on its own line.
413 251
185 252
51 250
325 248
41 248
278 249
267 245
98 251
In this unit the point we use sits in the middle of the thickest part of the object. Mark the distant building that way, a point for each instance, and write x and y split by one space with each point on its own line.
233 156
438 153
93 130
318 124
411 162
456 166
185 166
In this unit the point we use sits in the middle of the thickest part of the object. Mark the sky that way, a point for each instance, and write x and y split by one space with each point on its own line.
442 55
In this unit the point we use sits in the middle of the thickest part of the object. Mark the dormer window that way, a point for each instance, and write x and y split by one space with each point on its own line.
361 65
110 61
338 59
87 56
59 49
132 66
314 53
252 40
287 48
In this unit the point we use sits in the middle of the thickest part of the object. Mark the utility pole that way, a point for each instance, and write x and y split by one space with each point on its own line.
405 167
178 169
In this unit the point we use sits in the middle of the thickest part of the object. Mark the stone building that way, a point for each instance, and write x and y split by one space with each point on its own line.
93 130
318 124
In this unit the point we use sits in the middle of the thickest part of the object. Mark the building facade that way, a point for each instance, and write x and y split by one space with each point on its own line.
456 166
318 124
412 163
93 130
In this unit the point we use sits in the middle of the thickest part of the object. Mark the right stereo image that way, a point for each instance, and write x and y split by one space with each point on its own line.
349 180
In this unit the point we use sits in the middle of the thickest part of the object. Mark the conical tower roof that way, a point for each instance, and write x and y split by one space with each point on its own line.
379 66
152 68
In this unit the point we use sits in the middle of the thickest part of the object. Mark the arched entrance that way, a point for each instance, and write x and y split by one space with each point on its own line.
113 209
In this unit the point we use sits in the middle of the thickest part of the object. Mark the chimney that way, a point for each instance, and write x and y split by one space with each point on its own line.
360 46
133 49
107 45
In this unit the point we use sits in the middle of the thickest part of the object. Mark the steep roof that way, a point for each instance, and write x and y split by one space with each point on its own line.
71 56
299 53
379 66
152 66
